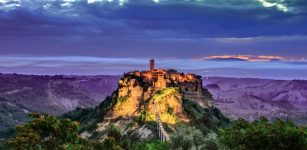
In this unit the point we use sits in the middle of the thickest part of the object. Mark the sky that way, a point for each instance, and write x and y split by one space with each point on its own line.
231 38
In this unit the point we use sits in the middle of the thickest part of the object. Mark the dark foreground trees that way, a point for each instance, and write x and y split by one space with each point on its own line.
265 135
47 132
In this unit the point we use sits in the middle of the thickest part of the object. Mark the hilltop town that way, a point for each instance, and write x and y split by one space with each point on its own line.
190 85
151 96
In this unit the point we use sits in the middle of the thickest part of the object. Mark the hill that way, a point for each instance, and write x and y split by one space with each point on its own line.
252 98
21 94
149 100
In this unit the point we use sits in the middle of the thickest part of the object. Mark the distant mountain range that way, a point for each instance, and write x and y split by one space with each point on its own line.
252 98
247 98
20 94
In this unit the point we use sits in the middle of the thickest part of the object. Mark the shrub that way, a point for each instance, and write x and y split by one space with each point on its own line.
151 144
169 109
48 132
265 135
206 119
186 137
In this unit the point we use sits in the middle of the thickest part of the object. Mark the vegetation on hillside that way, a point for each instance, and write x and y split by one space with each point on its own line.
205 119
189 137
89 117
201 132
166 100
116 141
47 132
208 129
265 135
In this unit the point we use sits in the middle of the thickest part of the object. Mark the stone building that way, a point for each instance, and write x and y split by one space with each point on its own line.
161 82
152 65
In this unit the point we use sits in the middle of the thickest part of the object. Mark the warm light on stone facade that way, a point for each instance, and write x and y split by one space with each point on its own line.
161 82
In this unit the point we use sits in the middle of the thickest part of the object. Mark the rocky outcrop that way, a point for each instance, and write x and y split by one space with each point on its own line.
137 87
143 95
190 85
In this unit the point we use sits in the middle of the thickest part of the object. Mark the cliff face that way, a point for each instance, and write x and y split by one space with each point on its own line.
190 85
139 88
141 95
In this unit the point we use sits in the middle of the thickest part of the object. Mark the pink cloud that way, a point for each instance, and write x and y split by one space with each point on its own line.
252 58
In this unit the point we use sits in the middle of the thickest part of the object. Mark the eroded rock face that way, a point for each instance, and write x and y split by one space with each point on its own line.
190 85
129 96
138 87
142 94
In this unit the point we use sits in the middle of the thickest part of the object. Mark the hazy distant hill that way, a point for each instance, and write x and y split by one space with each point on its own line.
252 98
20 94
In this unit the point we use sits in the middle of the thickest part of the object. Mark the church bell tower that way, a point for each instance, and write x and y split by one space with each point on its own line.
152 65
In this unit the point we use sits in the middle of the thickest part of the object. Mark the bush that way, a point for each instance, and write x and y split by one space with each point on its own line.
114 132
141 119
211 142
115 140
122 99
151 144
206 119
186 137
48 132
169 109
265 135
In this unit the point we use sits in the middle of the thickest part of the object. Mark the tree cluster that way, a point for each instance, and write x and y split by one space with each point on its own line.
265 135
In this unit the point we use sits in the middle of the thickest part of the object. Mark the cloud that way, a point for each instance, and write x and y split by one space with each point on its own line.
186 19
145 29
147 18
279 5
250 58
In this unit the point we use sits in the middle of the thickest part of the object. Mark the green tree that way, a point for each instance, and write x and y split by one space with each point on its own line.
190 137
113 140
114 132
47 132
211 142
151 145
198 138
186 137
110 143
265 135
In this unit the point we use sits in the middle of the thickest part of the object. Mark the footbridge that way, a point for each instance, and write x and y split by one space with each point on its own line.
162 133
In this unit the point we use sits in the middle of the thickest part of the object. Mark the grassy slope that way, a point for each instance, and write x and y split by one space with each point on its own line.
89 117
206 119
